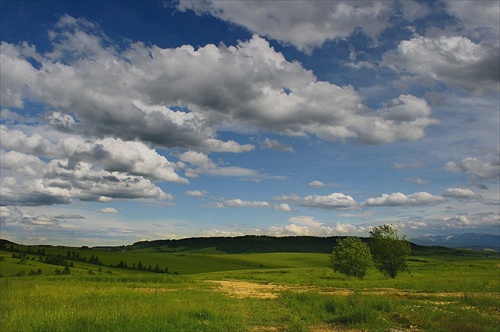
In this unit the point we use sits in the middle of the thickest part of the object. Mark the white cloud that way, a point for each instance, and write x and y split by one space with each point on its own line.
16 71
282 207
400 199
456 61
456 223
197 159
476 14
27 180
304 24
460 193
402 118
332 201
309 226
305 221
316 184
243 83
419 181
275 145
476 168
112 154
30 144
108 210
202 164
236 202
196 193
472 221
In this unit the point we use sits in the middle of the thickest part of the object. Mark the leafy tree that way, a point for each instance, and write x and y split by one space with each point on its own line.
389 250
351 257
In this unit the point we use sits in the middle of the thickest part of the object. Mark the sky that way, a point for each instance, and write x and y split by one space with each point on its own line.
124 121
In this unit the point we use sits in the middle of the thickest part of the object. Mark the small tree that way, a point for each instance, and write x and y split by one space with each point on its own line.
389 250
66 270
351 257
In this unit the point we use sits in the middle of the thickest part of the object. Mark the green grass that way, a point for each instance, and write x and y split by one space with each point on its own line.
439 293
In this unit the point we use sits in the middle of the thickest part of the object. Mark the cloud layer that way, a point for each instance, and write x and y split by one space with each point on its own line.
169 98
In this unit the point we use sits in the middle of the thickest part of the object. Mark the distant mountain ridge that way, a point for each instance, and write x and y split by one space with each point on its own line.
476 241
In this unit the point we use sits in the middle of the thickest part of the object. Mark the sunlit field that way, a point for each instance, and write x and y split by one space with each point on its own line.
442 291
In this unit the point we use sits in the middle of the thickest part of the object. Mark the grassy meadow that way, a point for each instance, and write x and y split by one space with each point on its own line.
208 291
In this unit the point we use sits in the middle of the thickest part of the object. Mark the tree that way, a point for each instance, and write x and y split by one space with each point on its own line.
351 257
66 270
389 250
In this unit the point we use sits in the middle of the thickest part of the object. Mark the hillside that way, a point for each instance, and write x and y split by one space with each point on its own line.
247 244
229 245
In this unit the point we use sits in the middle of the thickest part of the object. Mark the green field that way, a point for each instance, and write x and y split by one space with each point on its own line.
444 290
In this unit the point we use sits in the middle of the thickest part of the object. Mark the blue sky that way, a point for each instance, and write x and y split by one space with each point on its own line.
130 120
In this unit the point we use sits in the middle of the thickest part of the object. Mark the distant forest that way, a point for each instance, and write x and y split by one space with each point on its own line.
248 244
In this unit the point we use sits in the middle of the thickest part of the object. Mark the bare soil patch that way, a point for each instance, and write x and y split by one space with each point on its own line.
243 289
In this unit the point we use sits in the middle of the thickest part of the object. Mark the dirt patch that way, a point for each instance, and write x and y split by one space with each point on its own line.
244 289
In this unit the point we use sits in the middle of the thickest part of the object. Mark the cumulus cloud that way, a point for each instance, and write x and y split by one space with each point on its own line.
455 61
108 210
309 226
27 180
114 155
329 202
282 207
472 221
316 184
460 193
168 99
400 199
477 169
304 24
402 118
